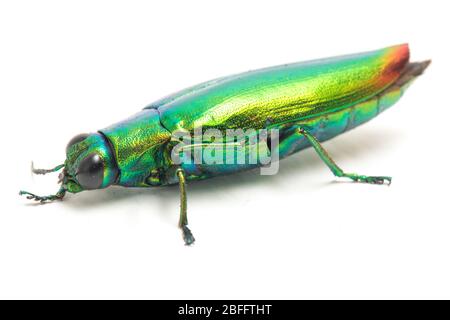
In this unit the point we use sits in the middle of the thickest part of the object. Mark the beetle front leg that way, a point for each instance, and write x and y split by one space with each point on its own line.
335 168
58 196
183 222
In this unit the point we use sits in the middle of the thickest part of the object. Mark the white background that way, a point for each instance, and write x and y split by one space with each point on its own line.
72 67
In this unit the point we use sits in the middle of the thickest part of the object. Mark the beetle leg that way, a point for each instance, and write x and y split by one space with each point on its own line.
58 196
335 168
183 222
45 171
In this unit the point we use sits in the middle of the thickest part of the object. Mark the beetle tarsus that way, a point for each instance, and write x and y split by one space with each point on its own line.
187 236
372 179
42 199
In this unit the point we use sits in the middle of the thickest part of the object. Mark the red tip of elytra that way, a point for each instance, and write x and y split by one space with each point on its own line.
400 52
397 57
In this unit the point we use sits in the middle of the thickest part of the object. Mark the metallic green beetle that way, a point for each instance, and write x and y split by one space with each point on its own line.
304 103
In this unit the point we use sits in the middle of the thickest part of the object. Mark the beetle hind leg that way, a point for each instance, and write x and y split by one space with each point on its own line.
337 171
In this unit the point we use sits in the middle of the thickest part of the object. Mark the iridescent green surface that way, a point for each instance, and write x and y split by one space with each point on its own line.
325 97
305 102
328 96
139 143
284 93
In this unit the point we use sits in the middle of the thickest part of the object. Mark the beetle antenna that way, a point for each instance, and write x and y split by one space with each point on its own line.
45 171
58 196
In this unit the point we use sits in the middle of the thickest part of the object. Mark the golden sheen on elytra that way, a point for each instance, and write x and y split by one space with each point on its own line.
306 103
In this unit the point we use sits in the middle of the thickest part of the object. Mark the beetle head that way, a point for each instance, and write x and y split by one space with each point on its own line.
90 163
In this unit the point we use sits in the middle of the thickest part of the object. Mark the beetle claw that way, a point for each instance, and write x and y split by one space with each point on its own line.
187 236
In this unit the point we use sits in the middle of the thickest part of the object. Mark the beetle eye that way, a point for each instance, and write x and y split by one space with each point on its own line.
78 138
90 172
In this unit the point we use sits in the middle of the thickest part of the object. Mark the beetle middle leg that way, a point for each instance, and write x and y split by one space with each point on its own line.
337 171
183 222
